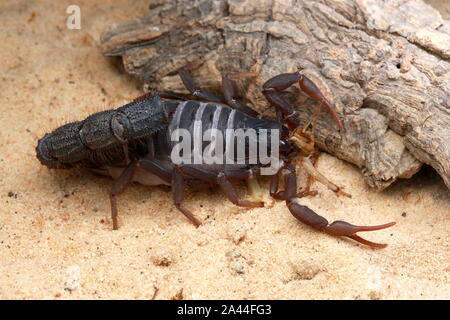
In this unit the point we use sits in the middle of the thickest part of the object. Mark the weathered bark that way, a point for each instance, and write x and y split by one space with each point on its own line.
384 64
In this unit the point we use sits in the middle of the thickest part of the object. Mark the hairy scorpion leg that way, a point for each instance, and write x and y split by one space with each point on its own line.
316 175
254 188
177 182
189 83
227 87
119 186
152 166
161 94
178 185
222 179
307 162
230 92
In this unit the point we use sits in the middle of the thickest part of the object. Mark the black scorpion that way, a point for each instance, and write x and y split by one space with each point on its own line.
133 144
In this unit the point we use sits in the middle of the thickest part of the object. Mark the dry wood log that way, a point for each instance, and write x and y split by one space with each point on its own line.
384 64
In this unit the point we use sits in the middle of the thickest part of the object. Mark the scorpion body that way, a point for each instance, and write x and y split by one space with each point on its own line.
119 136
134 143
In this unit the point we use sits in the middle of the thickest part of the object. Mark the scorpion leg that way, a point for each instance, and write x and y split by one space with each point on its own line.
230 93
124 179
177 181
250 176
275 185
178 185
232 195
228 89
310 178
143 97
189 83
222 180
161 94
126 153
155 168
309 217
254 188
227 86
273 88
316 175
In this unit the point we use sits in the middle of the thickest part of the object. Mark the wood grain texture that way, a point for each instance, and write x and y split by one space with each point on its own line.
384 64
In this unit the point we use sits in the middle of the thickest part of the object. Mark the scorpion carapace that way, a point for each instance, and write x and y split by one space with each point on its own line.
134 144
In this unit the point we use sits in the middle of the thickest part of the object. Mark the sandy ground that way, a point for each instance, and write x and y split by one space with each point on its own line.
55 234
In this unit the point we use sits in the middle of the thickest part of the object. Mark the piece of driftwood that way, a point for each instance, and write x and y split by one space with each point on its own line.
384 64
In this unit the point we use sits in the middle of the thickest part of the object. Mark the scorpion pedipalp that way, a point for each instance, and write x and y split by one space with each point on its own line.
314 220
336 228
345 229
273 88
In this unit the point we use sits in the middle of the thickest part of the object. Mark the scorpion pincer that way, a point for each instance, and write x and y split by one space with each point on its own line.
133 144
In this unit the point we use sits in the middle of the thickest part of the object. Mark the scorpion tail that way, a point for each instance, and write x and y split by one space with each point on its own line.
43 153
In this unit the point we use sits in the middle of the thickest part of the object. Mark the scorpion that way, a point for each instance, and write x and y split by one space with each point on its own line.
133 144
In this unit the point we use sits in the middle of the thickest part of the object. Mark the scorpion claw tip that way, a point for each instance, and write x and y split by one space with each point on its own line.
345 229
374 228
371 228
367 242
